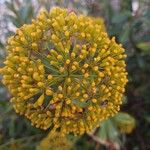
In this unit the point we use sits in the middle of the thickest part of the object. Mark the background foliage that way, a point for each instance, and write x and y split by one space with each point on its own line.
129 22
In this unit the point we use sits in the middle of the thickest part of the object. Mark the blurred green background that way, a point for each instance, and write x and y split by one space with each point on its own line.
129 22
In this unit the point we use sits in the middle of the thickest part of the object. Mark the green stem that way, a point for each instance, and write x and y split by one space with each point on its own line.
20 140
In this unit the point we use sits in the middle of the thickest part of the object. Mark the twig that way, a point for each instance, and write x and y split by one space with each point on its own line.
97 146
107 144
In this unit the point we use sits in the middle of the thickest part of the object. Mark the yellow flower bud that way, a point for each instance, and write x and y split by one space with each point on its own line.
40 100
67 61
49 92
49 77
60 95
34 46
94 100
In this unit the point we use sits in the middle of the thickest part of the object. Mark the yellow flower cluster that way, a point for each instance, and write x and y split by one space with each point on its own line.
64 72
55 142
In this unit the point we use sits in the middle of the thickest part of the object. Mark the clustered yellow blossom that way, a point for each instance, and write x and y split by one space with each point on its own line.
54 141
64 72
125 124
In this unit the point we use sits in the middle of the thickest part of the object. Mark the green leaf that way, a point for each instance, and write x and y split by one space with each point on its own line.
123 118
14 20
10 6
108 131
121 17
26 13
124 36
144 46
111 131
1 45
102 132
